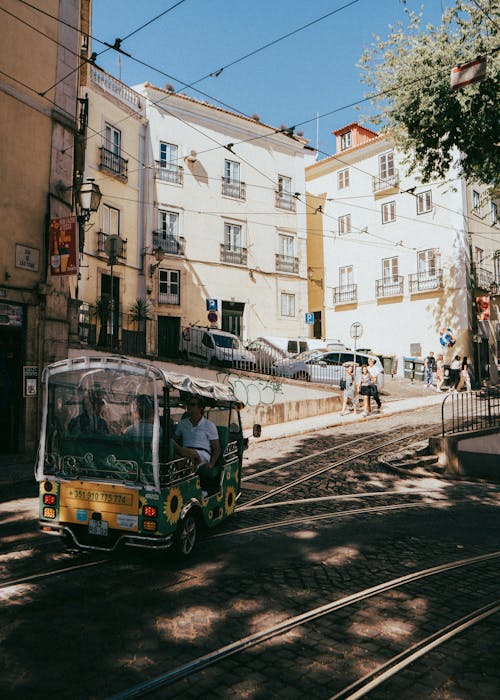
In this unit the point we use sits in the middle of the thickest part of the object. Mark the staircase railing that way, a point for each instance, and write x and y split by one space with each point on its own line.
470 410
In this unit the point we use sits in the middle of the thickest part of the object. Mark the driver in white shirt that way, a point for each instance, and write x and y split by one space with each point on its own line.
196 437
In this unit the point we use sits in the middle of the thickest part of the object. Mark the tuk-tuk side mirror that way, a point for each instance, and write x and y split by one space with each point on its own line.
256 430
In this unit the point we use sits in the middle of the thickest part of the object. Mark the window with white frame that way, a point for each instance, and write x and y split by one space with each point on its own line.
388 212
170 286
496 268
169 156
343 179
424 202
390 269
286 245
476 201
479 255
344 224
232 237
494 213
232 171
386 165
284 185
112 139
345 141
287 304
110 218
428 262
168 223
346 276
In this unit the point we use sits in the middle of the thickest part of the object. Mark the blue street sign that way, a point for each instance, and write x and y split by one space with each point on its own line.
310 317
211 304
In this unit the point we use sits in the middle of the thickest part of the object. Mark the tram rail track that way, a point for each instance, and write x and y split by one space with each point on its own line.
190 669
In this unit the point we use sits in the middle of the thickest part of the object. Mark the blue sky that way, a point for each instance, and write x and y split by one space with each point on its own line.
309 73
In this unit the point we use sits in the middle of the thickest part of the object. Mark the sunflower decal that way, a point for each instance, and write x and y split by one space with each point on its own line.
230 500
173 505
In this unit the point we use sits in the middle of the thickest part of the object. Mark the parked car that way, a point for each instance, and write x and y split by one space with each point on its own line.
215 346
266 354
325 367
294 346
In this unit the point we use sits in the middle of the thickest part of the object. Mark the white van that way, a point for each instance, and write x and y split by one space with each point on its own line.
294 346
215 346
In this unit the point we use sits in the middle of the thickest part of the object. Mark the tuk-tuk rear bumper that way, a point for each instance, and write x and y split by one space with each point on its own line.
127 539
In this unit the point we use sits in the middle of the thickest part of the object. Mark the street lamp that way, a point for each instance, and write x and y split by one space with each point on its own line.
89 198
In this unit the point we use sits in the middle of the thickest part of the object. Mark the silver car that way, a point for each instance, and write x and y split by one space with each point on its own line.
325 367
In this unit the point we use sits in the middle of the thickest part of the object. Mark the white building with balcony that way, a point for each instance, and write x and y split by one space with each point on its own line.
396 253
226 229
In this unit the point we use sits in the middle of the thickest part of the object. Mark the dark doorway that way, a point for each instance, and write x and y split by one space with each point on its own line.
113 322
317 328
11 392
232 317
169 328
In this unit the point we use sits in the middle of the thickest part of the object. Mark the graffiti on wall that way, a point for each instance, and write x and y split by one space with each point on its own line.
252 392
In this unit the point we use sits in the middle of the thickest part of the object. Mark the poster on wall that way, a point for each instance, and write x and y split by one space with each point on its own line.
63 246
483 308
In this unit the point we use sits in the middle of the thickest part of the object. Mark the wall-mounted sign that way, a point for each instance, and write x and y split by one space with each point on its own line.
63 246
483 308
30 381
27 258
468 73
211 304
212 316
310 317
11 315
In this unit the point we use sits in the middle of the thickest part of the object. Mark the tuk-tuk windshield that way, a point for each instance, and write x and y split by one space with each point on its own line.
100 424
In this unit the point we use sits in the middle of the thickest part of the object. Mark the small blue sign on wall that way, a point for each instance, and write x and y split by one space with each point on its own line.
211 304
310 317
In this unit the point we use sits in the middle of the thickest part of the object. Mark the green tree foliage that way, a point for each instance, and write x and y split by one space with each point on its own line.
409 75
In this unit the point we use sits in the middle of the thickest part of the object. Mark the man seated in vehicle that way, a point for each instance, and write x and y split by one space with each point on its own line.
90 419
197 438
142 427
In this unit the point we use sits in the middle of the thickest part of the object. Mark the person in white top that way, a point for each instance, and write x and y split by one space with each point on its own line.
197 438
374 374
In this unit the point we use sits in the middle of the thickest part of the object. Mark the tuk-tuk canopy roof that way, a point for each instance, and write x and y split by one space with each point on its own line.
214 392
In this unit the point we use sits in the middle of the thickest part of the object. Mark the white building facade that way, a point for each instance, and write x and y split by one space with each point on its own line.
397 253
226 224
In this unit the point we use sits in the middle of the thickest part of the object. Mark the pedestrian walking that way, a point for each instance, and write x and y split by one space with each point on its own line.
439 372
429 369
372 369
464 376
455 373
365 389
349 392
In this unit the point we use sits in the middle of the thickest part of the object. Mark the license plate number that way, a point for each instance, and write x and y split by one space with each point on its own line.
98 527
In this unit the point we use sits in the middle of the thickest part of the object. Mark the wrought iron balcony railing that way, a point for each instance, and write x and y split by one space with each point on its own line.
484 278
234 188
113 163
169 173
287 263
285 200
346 294
101 248
425 281
389 287
379 184
233 254
173 245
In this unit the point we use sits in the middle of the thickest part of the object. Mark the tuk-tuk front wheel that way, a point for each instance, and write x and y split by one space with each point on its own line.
186 535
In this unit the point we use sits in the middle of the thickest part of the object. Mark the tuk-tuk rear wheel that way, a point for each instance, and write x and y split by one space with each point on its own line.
186 535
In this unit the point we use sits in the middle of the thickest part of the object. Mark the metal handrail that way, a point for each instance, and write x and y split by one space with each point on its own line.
471 410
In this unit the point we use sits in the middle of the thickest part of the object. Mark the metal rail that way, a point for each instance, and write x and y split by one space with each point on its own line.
471 410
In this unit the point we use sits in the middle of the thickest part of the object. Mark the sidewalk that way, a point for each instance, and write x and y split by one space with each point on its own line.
399 395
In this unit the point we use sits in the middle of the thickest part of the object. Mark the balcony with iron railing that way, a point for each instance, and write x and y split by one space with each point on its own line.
484 277
234 188
285 200
389 287
170 244
233 254
168 172
425 281
101 245
114 164
346 294
287 263
380 184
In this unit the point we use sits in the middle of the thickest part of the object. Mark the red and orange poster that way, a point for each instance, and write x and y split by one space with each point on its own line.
63 246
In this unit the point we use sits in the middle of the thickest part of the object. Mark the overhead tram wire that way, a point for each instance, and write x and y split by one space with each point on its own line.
274 131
